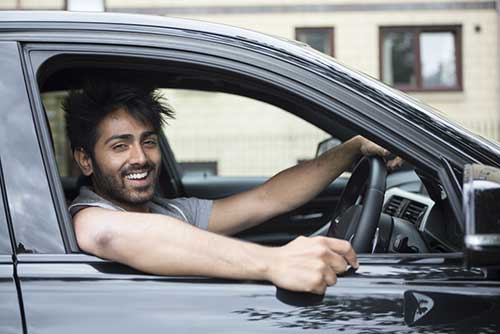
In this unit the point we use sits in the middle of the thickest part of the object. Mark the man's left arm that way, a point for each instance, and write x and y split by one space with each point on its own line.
288 189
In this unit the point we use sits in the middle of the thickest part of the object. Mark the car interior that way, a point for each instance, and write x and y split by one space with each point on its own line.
415 218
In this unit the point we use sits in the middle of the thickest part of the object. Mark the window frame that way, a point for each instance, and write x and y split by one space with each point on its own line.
416 31
214 62
330 30
6 232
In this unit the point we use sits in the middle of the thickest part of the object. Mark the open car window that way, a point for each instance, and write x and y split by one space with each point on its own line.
231 133
221 134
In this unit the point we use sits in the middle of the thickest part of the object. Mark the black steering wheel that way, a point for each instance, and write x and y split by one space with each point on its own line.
354 219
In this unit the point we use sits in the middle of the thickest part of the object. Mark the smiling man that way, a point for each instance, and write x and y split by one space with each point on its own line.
114 130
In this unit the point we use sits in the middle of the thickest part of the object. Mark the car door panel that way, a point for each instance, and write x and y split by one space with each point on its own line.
87 294
281 229
10 311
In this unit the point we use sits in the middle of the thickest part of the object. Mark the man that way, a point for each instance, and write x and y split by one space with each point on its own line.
114 133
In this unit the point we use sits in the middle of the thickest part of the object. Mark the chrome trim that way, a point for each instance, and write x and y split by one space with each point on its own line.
375 240
481 240
323 231
307 216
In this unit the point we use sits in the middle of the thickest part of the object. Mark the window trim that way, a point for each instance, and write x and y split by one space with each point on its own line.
5 222
417 30
44 137
329 29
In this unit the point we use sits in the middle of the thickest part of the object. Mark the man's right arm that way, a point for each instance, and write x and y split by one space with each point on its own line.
162 245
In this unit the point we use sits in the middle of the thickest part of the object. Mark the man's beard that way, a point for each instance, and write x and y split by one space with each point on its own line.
113 186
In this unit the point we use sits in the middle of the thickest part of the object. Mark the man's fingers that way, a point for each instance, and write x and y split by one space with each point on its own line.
338 263
383 152
330 278
344 248
395 163
369 148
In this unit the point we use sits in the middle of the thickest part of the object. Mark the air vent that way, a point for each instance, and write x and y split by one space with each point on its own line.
392 207
414 212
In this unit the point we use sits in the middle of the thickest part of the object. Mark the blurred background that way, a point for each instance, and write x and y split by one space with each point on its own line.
442 52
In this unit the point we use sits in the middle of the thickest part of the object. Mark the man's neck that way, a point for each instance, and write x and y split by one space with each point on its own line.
141 208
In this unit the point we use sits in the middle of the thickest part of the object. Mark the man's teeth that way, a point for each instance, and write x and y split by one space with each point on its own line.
137 176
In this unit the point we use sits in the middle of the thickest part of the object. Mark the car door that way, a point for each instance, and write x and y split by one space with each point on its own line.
64 291
11 307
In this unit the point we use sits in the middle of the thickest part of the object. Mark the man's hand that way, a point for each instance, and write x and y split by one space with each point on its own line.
369 148
310 264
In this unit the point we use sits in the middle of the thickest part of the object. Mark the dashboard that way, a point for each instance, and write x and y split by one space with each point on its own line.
411 222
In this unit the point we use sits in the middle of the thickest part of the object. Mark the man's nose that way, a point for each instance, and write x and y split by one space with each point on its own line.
137 155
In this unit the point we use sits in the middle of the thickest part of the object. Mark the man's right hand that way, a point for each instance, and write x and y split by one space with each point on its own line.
310 264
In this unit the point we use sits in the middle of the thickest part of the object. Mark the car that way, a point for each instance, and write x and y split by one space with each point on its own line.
427 236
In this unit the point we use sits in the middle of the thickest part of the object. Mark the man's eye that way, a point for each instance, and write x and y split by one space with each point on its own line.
119 147
150 142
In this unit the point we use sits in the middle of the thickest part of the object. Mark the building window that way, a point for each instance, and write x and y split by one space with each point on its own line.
421 58
320 39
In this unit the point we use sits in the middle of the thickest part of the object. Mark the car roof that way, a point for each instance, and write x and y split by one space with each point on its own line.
39 18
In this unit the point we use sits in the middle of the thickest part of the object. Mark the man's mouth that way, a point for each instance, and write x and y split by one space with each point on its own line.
137 175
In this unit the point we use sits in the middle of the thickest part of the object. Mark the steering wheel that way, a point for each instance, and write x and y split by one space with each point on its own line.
353 220
356 220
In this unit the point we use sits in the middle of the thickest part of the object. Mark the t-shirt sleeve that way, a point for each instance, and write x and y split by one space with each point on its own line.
88 198
76 207
196 210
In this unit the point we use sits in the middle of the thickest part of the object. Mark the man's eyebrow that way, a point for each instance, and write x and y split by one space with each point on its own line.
148 134
115 137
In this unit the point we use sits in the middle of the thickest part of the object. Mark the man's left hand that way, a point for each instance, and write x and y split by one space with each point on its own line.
368 148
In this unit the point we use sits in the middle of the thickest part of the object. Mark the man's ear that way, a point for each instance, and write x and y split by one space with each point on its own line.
84 161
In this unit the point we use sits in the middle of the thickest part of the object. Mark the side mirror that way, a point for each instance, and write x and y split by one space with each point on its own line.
327 144
481 203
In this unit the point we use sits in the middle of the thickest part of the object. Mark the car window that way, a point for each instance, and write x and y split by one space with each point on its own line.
55 116
221 134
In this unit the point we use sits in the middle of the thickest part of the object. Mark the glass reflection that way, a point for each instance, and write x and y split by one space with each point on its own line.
399 59
438 60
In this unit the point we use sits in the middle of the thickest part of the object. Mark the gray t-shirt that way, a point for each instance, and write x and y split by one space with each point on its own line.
191 210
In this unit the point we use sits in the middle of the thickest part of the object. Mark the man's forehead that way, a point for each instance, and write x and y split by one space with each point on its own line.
120 123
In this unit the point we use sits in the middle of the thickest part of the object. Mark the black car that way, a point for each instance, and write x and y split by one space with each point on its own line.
429 261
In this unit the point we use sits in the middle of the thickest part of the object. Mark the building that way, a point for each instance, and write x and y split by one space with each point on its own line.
443 52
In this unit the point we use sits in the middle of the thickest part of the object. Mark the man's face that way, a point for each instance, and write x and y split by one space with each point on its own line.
126 160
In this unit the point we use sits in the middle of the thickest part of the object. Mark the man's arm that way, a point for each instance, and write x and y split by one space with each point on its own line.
288 189
162 245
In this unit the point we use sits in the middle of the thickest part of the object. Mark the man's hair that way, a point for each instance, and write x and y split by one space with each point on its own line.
85 109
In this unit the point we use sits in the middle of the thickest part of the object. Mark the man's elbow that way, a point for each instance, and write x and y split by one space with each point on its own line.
96 240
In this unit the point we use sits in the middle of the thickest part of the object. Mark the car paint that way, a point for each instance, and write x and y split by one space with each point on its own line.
53 292
89 294
10 311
